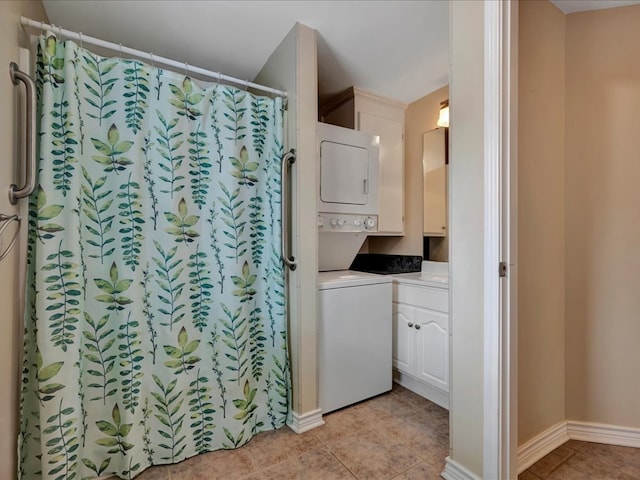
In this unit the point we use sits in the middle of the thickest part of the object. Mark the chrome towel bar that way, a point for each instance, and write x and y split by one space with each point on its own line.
287 161
16 193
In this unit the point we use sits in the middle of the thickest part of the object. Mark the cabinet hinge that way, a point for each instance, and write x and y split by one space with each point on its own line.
502 269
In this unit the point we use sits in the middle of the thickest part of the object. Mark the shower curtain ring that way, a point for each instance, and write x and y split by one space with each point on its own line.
186 69
120 50
80 36
153 63
219 78
246 85
60 32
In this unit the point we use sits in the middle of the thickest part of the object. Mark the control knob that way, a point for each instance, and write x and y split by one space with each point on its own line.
334 222
370 223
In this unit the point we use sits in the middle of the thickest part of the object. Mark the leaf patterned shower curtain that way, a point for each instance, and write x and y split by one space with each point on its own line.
155 327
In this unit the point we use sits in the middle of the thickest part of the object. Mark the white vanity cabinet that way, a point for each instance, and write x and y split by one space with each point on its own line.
421 338
380 116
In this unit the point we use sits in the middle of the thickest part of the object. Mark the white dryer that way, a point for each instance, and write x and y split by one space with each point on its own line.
347 166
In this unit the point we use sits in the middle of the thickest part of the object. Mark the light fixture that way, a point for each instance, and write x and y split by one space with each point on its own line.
443 119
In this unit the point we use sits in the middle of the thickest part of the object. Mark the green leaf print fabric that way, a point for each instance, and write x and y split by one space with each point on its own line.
155 324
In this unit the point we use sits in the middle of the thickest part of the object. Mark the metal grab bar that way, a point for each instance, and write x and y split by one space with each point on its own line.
5 220
29 186
287 160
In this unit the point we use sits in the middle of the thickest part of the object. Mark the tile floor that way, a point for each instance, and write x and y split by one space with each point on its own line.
398 435
586 461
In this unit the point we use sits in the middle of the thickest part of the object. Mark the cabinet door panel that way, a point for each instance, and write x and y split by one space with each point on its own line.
433 348
404 338
391 172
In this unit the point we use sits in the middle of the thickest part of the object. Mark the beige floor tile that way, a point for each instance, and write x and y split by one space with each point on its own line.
411 397
373 455
368 412
344 423
218 465
154 473
394 404
546 465
417 436
277 446
614 455
422 471
580 466
564 451
315 465
252 476
575 444
567 472
527 475
432 419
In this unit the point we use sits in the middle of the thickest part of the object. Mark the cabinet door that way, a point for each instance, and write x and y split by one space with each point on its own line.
391 171
404 338
435 183
432 357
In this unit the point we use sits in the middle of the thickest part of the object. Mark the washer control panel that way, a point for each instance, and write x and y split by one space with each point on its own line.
338 222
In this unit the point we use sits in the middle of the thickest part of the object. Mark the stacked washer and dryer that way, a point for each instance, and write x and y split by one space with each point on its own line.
354 308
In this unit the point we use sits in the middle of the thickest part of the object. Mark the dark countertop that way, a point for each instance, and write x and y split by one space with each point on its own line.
383 264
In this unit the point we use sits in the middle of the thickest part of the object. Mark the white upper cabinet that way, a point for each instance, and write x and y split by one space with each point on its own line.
380 116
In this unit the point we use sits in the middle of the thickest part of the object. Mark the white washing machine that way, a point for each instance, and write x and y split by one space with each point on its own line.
354 337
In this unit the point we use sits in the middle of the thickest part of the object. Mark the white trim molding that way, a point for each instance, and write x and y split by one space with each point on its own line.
547 441
540 445
602 433
306 421
429 392
454 471
500 337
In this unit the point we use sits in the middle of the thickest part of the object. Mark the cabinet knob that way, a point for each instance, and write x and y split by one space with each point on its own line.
417 326
444 228
410 324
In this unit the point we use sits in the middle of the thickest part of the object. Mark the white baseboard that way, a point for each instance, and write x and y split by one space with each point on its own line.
305 422
454 471
540 445
436 395
602 433
547 441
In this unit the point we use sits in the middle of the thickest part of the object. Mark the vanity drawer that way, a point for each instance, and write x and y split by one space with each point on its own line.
425 297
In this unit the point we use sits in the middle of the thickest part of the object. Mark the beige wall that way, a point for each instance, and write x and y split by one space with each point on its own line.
541 217
420 116
579 144
466 216
603 216
11 268
293 67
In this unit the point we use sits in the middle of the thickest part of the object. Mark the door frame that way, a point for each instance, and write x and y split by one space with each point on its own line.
500 239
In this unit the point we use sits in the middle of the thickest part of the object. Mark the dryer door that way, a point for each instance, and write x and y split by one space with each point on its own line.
344 173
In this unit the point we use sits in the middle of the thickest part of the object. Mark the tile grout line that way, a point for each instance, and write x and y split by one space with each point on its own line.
331 452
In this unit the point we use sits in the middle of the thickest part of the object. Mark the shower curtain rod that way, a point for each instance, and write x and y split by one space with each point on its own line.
28 22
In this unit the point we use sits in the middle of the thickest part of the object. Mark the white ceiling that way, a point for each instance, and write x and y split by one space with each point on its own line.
398 49
572 6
